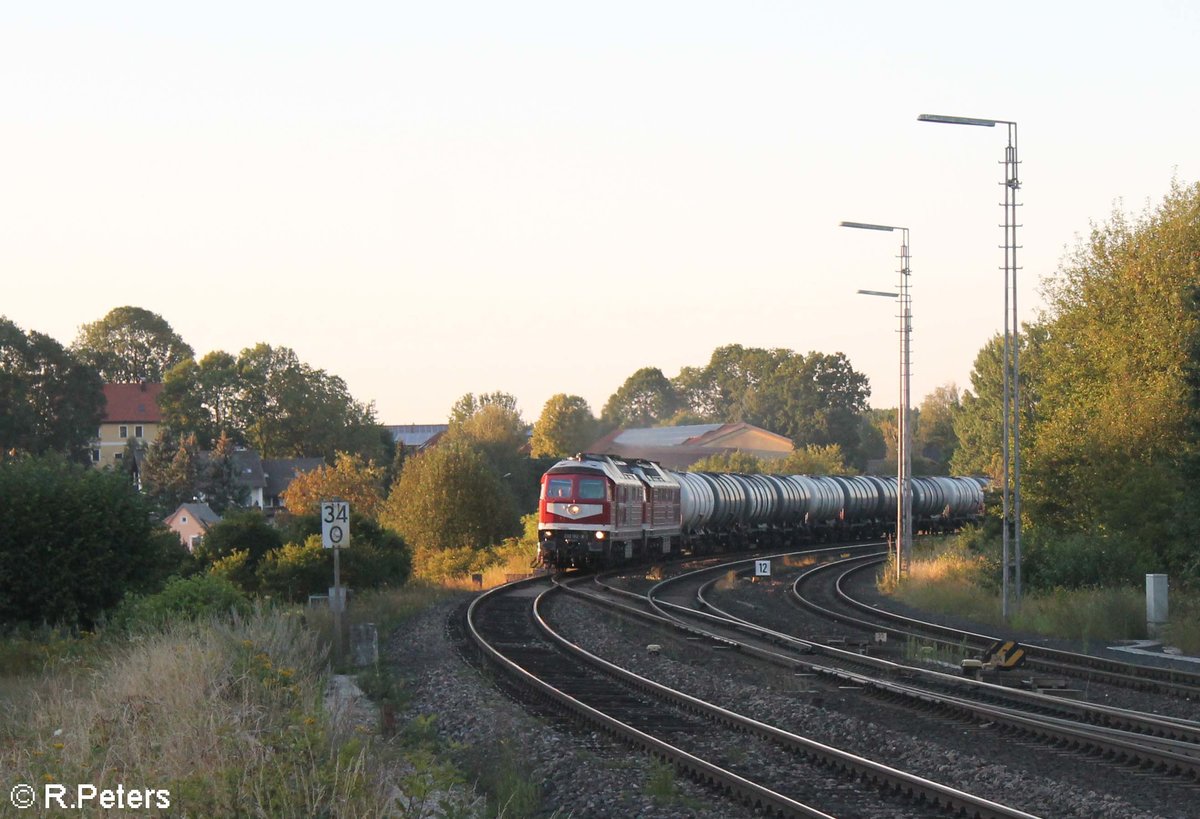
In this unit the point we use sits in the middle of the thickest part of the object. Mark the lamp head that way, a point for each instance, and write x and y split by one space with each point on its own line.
986 123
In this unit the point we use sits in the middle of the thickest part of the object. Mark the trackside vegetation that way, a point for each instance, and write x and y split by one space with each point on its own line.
957 576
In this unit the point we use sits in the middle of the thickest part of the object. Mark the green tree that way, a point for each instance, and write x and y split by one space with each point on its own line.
1186 526
449 497
496 430
49 401
74 541
131 344
647 398
566 427
170 471
933 435
470 404
877 436
218 480
978 424
287 409
1113 413
203 398
813 399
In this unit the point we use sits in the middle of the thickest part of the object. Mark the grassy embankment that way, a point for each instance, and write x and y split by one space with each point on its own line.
228 714
946 577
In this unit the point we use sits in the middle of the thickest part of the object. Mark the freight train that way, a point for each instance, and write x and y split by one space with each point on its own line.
599 510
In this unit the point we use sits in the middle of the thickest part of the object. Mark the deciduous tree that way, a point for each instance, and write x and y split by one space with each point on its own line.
449 497
1113 412
646 399
131 344
49 400
203 398
350 479
565 427
933 436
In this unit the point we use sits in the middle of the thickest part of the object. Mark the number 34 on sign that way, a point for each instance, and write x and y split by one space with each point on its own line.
335 524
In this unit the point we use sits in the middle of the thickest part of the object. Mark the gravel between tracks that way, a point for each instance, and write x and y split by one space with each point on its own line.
581 774
586 774
1040 781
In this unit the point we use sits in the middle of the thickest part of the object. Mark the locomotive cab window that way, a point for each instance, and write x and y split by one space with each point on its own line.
558 488
591 489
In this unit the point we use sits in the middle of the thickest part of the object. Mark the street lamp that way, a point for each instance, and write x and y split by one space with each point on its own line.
904 444
1012 336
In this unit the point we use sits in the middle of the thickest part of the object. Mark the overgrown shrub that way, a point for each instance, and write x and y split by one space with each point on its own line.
73 541
247 531
295 570
181 599
1053 560
237 569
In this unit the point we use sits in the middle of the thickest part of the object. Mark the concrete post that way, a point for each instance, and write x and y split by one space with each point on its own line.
364 644
1156 604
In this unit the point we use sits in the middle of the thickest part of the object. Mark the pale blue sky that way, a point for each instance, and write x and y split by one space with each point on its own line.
434 198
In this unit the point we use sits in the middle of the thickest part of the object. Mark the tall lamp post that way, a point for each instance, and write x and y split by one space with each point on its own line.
1012 381
904 444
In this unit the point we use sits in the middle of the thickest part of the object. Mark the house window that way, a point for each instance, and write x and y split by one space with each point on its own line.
124 432
183 518
137 431
195 542
95 456
120 456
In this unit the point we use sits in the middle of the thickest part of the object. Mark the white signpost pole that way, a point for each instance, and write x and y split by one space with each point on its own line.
335 534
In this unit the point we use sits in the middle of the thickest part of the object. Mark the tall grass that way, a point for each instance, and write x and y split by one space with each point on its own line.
950 577
225 714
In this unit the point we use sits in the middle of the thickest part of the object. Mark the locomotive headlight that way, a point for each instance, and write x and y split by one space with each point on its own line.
599 535
573 509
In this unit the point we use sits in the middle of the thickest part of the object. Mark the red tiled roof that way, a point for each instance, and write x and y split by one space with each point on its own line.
132 402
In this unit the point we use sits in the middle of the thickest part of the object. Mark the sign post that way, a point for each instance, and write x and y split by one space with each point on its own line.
762 568
335 534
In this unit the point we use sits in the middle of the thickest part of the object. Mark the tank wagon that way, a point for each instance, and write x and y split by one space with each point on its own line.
604 510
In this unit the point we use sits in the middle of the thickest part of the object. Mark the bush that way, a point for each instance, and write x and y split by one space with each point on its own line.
376 558
295 570
247 531
73 542
1052 560
238 570
181 599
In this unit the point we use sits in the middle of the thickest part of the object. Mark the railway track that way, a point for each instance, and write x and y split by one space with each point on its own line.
1169 746
708 742
1042 659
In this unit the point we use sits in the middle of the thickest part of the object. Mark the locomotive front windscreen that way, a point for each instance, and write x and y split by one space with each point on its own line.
558 488
591 489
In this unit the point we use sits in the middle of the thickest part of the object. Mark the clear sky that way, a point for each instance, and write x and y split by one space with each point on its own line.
435 198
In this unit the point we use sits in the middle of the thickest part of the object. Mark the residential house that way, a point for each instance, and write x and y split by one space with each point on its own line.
680 447
279 473
191 521
415 437
247 472
130 414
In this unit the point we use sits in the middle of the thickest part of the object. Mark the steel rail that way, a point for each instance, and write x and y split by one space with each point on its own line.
859 767
1129 675
1154 743
743 789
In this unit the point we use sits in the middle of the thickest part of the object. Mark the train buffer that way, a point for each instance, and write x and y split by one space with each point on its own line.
1002 655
